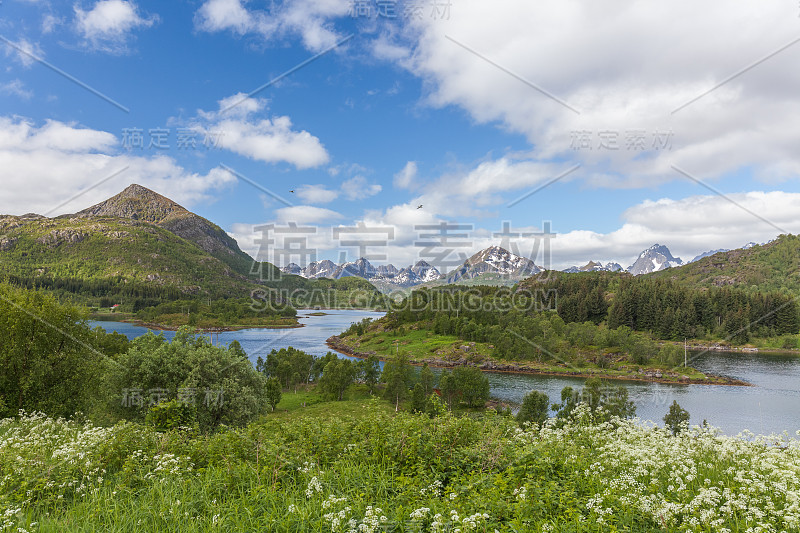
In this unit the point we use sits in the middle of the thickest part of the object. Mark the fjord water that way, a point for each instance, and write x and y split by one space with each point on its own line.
770 405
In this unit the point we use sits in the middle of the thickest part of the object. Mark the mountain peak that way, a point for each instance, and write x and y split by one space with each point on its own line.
137 203
657 257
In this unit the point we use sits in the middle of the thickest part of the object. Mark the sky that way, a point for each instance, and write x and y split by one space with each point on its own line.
565 130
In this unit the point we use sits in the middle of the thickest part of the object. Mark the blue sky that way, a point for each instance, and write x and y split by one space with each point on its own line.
660 132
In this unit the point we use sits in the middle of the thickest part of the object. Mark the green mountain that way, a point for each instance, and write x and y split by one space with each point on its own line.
137 244
774 266
141 204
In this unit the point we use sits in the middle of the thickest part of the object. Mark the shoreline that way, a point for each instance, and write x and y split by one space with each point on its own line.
335 343
219 329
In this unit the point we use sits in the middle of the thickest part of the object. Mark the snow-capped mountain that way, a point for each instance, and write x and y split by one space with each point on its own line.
315 269
421 272
361 268
594 266
655 258
494 260
708 254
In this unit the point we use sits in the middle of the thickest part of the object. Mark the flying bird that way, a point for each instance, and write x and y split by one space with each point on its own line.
292 191
419 206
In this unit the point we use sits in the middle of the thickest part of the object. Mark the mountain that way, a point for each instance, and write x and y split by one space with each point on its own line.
594 266
708 254
773 266
384 276
494 260
142 247
654 259
143 205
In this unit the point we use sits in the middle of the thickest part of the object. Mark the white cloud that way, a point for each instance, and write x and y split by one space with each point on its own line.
316 194
16 87
108 25
41 167
308 19
49 23
220 15
406 177
357 188
24 51
305 214
262 139
623 69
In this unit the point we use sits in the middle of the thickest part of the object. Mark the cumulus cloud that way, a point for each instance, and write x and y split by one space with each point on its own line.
316 194
310 20
357 188
236 127
42 166
556 70
108 24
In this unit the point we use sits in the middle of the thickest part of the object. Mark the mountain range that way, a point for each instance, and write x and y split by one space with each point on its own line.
494 260
144 245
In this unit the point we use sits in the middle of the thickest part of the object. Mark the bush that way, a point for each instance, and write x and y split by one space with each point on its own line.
172 414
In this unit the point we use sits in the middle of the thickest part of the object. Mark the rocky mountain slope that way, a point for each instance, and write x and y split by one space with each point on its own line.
594 266
766 267
654 259
141 204
494 260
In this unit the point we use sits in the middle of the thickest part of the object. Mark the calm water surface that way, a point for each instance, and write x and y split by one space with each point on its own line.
771 405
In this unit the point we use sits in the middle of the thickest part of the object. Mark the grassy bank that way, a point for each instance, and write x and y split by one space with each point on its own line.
425 346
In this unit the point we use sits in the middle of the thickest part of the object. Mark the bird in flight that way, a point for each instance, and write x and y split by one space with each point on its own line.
292 191
419 206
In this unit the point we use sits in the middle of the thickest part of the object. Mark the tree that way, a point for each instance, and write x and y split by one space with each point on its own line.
49 359
225 388
371 372
427 379
337 376
535 408
677 419
447 385
418 399
273 392
398 375
472 384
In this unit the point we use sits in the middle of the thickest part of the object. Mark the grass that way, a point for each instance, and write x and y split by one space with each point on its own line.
423 345
356 466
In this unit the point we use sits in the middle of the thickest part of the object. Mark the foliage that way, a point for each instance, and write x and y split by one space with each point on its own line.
369 371
172 414
273 392
602 400
402 472
677 419
225 387
398 376
49 359
535 408
337 376
471 385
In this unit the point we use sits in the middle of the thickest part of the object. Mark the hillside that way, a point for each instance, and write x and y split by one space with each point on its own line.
141 245
142 204
774 266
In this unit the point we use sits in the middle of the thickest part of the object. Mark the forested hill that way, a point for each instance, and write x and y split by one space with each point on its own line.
774 266
667 308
